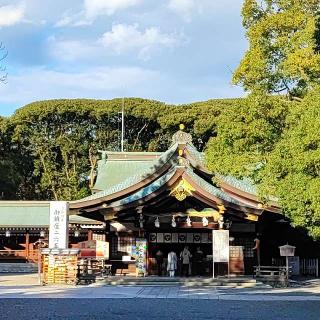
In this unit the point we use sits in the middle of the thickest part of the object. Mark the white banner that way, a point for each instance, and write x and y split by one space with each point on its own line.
220 245
59 223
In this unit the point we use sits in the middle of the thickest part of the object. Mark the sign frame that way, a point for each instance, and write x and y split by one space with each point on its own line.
220 248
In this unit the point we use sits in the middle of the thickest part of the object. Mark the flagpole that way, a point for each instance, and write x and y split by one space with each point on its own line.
122 126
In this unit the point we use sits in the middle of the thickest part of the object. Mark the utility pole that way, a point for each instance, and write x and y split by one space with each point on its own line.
122 126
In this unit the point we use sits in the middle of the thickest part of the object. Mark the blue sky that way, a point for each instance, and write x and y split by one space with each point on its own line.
176 51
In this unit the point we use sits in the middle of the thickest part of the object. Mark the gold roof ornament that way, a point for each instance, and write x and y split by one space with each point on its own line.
251 217
221 208
182 190
182 137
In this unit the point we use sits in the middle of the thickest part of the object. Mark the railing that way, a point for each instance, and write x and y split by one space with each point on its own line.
19 255
274 275
270 271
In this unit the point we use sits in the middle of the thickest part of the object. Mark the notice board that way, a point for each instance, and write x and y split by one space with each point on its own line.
220 245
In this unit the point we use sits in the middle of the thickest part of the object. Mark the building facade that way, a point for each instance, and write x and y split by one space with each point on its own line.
170 200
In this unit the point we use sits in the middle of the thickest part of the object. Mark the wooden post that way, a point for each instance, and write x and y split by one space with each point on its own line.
90 235
27 245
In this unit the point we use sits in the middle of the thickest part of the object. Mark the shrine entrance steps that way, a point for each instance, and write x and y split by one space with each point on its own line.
230 282
18 268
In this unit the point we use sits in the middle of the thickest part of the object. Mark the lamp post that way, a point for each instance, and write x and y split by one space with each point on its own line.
287 251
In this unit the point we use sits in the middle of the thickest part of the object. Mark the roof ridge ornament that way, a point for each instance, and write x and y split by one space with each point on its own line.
182 137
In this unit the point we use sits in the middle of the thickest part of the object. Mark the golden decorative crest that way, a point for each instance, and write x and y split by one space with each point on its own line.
251 217
205 213
181 190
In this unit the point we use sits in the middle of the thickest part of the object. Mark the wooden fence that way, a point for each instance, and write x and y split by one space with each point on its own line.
12 255
307 266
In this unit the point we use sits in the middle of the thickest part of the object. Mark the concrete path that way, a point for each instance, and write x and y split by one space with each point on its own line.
25 286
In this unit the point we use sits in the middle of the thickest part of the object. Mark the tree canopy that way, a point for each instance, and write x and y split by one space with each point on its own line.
52 145
292 171
283 54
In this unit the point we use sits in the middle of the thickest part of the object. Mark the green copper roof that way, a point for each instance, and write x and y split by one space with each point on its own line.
113 172
245 185
24 216
198 156
136 177
144 192
119 171
214 190
30 214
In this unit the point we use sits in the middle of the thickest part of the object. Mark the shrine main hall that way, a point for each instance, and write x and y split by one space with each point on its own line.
171 200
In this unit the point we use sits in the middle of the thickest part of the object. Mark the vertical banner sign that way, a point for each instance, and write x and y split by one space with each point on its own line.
141 256
220 246
59 225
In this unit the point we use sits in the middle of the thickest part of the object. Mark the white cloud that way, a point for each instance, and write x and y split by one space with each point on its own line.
72 50
189 8
125 38
100 82
92 9
120 40
185 8
95 8
11 14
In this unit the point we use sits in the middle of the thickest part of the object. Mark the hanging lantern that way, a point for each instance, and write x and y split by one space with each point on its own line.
205 222
76 233
157 223
173 222
42 234
221 222
141 220
8 233
189 223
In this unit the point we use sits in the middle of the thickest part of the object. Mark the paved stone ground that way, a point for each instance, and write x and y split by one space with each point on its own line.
26 286
22 298
156 309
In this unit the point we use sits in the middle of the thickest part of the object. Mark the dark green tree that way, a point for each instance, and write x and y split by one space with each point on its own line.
292 171
283 54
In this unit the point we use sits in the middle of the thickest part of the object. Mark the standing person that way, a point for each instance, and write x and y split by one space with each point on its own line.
159 259
172 263
185 257
198 261
256 249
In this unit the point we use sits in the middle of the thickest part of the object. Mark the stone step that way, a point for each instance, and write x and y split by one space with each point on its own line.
189 282
18 268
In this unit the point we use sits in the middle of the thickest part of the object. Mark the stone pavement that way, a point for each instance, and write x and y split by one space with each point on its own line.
26 286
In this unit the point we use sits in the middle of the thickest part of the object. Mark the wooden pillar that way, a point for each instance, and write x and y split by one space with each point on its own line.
27 245
90 235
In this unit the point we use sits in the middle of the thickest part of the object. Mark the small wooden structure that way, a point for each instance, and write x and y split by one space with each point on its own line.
59 266
92 261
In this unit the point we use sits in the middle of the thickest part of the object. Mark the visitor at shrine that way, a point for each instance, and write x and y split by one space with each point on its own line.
256 249
172 263
185 257
198 262
159 259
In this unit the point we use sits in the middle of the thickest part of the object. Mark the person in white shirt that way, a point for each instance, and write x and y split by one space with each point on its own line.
172 263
